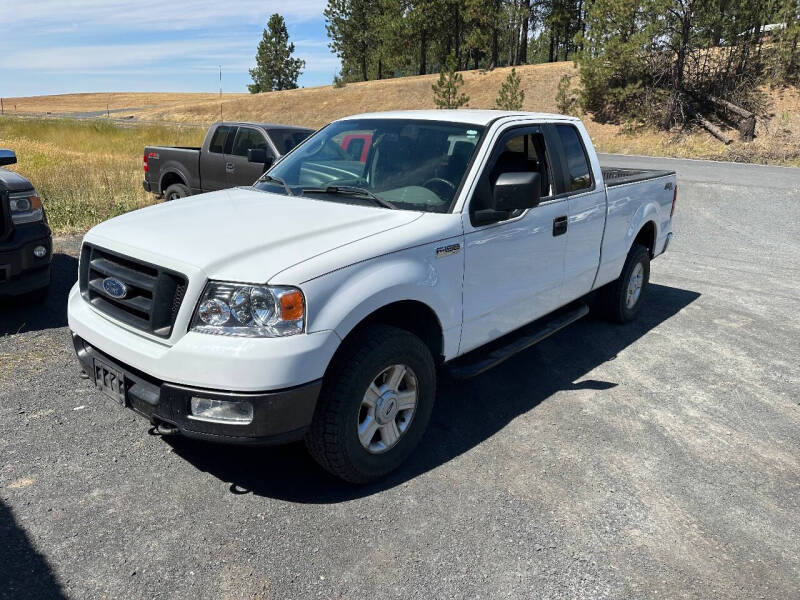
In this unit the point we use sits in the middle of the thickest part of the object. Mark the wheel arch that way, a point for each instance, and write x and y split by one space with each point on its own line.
647 235
413 316
171 177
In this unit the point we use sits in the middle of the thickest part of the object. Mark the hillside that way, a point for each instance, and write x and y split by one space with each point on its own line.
317 106
776 140
120 104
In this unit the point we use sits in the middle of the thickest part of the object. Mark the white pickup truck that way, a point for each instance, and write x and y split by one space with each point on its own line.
321 302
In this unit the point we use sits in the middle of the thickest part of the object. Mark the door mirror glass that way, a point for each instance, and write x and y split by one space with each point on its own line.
7 157
517 191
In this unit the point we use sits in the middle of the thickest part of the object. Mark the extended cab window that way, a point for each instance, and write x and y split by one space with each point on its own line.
247 139
578 174
217 145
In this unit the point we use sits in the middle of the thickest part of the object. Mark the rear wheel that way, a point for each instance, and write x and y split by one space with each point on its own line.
375 404
621 300
175 191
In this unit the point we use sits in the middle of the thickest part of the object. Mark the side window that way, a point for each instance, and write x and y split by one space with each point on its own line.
246 139
524 153
217 145
578 174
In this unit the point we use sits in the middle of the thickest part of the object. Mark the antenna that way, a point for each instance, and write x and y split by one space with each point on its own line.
220 93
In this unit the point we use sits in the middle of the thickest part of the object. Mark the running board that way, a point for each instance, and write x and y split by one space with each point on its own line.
478 361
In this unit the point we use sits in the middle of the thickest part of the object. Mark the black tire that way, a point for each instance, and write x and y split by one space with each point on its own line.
612 299
333 438
175 191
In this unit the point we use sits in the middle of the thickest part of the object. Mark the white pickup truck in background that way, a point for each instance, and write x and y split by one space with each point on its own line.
321 302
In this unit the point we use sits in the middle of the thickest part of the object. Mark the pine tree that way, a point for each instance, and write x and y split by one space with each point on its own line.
446 91
275 67
510 96
351 26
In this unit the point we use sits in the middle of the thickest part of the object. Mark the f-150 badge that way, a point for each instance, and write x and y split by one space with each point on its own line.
443 251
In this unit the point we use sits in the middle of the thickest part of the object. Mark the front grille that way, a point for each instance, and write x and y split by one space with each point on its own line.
153 295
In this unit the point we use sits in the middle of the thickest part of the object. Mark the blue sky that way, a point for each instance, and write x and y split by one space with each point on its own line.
68 46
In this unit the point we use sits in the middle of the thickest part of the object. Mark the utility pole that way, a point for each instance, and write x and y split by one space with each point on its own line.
220 93
2 110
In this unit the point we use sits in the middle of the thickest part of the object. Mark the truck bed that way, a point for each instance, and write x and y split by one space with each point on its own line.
614 176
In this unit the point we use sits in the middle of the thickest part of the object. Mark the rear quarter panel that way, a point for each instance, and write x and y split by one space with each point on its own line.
184 162
630 208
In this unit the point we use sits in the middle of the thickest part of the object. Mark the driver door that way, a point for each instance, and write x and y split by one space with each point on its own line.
514 269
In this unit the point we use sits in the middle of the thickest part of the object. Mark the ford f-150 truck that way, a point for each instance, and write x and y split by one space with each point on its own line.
232 154
321 302
25 242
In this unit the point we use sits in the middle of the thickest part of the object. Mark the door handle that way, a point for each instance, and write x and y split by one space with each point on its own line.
229 167
560 225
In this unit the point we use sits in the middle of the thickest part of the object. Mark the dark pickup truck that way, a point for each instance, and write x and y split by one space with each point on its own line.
232 154
25 241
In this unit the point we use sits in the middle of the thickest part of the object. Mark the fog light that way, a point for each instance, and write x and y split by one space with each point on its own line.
40 252
221 411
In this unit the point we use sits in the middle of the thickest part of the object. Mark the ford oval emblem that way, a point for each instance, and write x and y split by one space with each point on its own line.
114 287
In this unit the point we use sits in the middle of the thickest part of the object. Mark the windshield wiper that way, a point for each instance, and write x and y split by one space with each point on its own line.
348 190
278 180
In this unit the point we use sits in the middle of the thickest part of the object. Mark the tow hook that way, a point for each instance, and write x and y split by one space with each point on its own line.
164 429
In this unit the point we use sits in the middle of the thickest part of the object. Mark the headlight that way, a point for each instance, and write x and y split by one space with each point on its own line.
250 310
26 208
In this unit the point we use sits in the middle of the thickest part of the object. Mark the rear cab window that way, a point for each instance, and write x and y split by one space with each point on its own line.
217 144
578 174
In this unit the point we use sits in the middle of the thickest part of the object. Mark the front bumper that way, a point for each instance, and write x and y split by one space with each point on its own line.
278 416
20 271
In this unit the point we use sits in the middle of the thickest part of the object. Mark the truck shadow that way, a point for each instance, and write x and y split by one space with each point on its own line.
20 315
466 412
24 573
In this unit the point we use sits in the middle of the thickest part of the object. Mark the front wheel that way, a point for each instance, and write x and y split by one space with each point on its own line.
621 300
375 404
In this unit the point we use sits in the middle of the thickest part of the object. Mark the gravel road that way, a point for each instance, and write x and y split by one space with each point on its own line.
657 459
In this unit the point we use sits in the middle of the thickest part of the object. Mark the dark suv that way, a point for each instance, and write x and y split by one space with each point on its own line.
25 240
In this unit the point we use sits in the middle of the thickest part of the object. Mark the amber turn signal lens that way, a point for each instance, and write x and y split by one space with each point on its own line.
292 306
35 201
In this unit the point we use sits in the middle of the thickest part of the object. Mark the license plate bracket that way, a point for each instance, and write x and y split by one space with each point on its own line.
110 381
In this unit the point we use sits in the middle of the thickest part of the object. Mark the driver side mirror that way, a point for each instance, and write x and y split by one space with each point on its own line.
7 157
517 191
511 191
259 156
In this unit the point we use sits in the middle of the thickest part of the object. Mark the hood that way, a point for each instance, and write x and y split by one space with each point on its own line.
13 182
242 234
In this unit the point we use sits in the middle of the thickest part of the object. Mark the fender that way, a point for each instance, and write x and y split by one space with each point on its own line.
352 294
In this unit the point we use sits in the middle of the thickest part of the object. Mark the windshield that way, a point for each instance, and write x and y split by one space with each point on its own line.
405 164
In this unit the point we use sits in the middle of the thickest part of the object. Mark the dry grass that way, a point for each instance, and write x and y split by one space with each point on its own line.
87 172
133 103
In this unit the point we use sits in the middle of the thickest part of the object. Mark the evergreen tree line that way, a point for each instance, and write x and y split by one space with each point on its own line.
654 59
